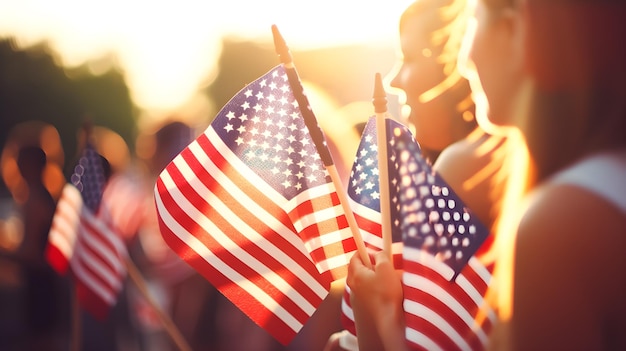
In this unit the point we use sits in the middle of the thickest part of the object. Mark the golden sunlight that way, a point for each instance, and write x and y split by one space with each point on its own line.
169 50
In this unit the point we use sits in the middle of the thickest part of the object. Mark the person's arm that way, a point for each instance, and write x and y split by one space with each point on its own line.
376 298
568 271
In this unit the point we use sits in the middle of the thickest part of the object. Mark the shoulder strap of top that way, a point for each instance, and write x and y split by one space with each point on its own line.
603 174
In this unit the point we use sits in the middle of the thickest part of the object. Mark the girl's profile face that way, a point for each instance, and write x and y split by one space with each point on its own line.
419 71
490 59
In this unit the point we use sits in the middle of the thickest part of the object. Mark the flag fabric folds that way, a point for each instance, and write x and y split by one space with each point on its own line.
364 195
83 241
250 206
444 280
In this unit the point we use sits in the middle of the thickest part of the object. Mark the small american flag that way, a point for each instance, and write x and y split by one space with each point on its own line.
82 239
364 194
250 205
444 282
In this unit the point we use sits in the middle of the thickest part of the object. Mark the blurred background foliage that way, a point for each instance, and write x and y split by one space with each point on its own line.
33 87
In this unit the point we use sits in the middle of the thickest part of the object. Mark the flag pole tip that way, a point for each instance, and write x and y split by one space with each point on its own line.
280 46
380 97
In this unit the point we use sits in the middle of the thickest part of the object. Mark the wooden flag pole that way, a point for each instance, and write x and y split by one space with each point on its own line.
318 138
75 342
380 108
170 327
76 338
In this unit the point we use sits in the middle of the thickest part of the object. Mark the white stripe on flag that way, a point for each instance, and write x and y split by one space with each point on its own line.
218 206
226 182
66 221
234 248
212 259
419 309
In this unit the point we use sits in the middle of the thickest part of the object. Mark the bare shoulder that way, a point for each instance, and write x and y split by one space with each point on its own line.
569 264
573 230
470 167
458 158
566 215
467 157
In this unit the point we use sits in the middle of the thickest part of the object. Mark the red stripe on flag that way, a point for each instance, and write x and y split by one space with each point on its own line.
56 259
369 226
233 204
99 257
92 303
432 333
445 312
226 286
98 265
235 235
310 206
451 287
260 311
259 198
63 230
223 205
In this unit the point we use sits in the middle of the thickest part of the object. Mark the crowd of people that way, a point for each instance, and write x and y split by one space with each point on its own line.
519 105
551 73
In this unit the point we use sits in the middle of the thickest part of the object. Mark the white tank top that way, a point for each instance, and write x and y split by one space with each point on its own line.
603 174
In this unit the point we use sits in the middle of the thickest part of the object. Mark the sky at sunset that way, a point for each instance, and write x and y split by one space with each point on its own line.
168 49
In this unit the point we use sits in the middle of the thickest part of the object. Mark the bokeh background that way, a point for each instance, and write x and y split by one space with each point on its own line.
131 67
128 65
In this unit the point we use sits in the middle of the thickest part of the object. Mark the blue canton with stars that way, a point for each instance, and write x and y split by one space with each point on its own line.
263 126
364 183
88 177
434 218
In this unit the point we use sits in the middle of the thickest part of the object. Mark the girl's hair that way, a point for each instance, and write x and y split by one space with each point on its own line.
576 60
445 21
574 104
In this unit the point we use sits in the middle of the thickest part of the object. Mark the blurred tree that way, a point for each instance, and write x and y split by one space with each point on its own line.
345 72
240 63
34 87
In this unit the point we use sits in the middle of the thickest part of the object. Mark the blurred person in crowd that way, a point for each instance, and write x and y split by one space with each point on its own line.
43 299
165 274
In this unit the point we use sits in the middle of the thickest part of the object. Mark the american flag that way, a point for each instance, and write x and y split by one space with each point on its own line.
82 240
250 205
444 281
364 194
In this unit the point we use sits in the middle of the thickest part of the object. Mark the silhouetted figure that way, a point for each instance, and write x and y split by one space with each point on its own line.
42 294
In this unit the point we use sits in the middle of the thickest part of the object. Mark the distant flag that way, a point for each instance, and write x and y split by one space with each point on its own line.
126 202
82 240
444 282
251 207
364 194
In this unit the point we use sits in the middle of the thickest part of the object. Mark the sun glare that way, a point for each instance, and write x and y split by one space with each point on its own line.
168 50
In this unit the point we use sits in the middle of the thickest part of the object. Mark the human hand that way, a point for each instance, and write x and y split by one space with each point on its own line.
376 298
377 288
